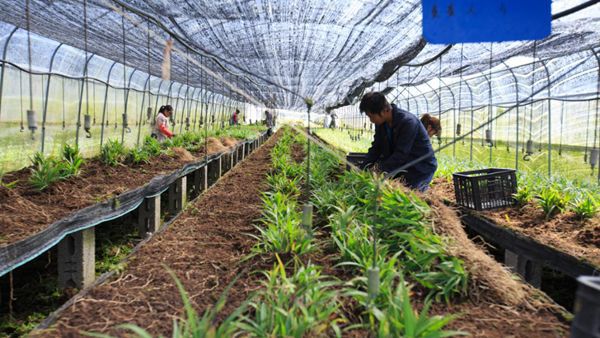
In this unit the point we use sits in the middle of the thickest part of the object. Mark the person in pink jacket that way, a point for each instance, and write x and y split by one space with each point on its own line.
161 127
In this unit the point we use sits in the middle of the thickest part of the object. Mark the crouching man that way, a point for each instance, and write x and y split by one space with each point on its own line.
400 138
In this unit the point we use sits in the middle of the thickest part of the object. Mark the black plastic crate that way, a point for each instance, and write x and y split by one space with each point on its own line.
485 189
357 159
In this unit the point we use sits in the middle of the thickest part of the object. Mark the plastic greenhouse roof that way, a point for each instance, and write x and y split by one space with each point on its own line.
280 51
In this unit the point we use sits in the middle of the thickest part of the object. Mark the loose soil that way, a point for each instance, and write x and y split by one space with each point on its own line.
204 247
24 211
579 238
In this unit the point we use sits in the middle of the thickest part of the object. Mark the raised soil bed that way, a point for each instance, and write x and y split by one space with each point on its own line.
564 232
25 211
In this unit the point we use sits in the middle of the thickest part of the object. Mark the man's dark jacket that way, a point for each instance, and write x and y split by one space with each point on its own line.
409 142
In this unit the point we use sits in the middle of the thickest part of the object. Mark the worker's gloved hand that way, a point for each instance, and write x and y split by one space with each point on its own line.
367 166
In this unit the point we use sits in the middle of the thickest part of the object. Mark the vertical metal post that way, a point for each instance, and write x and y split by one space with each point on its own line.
126 103
596 54
83 81
548 87
105 104
146 85
4 52
45 110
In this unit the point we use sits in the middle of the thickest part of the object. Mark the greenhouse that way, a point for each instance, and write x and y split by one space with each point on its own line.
299 168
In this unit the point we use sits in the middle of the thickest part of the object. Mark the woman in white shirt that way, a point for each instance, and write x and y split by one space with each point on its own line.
161 127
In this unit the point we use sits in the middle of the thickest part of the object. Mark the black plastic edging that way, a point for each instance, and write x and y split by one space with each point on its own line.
19 253
526 246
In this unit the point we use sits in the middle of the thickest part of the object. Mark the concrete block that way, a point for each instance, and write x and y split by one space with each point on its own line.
529 269
177 195
149 216
77 260
198 182
214 172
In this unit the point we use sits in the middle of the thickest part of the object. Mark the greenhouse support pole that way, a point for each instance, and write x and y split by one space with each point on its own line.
45 111
197 101
515 80
548 87
146 85
156 101
472 117
185 99
597 94
83 80
175 112
193 101
126 104
105 104
4 52
460 80
453 117
490 106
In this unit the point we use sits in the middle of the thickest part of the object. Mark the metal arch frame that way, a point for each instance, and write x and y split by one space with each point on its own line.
83 80
516 82
453 114
146 84
185 105
177 105
466 81
426 101
436 94
549 87
197 100
185 98
490 112
597 56
189 110
105 102
45 110
4 52
157 97
126 104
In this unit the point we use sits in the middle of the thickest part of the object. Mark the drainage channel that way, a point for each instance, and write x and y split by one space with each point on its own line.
552 271
55 273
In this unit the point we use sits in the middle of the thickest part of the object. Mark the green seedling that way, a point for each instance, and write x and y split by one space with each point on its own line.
551 202
523 195
46 171
72 159
113 153
585 208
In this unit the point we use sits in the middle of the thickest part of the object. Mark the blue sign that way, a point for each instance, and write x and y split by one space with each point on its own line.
457 21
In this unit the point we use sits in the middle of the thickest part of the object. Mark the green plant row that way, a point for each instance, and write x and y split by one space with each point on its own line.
297 299
552 195
47 170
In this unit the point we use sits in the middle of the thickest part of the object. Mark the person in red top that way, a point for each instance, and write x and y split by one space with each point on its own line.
235 117
161 128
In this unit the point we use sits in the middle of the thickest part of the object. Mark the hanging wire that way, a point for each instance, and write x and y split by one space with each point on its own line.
529 145
149 69
439 138
488 132
64 123
28 23
459 125
125 83
187 83
21 97
562 113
